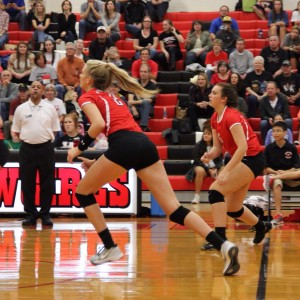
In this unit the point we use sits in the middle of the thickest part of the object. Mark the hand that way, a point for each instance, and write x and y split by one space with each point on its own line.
86 163
206 158
72 153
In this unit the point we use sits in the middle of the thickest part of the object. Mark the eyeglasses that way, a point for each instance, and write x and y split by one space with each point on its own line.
70 48
147 21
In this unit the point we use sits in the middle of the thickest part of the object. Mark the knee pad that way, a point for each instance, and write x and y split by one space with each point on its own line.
236 214
215 197
179 215
85 200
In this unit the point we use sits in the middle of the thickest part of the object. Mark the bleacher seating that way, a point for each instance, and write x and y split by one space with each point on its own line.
175 85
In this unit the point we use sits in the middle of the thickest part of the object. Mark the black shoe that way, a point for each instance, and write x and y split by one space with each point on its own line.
29 221
46 221
207 246
145 128
260 234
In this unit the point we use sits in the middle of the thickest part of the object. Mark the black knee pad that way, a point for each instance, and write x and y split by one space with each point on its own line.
215 197
179 215
236 214
86 200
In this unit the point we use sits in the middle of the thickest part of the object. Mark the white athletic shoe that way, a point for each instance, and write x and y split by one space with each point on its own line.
105 255
196 199
230 254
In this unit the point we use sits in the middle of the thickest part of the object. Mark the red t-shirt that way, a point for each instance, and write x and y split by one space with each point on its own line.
225 122
113 110
212 59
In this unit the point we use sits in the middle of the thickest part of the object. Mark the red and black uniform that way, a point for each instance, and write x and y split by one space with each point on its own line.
223 124
129 147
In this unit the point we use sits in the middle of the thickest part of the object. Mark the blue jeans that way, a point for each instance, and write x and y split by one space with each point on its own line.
144 110
20 18
61 90
85 27
191 58
132 29
252 103
157 12
40 36
3 40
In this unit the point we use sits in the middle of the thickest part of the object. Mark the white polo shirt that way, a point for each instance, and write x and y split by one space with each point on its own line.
36 124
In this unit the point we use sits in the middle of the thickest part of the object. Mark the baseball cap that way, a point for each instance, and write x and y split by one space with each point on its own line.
23 87
286 63
226 19
101 28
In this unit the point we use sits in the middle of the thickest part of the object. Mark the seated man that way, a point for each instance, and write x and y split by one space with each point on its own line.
270 105
142 108
280 156
145 59
16 11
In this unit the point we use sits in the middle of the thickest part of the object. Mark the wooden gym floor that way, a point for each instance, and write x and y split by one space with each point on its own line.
162 261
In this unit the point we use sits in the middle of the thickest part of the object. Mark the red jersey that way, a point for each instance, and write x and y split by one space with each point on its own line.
113 110
212 59
225 122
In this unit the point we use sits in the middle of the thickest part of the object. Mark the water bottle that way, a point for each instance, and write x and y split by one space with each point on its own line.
165 116
260 34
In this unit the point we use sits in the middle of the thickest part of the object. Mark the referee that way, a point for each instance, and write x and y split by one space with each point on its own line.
35 122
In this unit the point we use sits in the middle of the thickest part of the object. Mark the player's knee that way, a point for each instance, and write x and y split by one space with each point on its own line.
236 214
85 200
215 197
179 215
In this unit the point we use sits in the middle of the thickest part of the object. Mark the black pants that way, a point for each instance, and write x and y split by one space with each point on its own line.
37 159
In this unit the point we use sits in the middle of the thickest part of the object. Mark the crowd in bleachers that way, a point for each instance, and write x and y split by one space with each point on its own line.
245 49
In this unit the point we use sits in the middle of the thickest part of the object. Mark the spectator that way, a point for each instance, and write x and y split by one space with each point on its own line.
89 17
222 74
289 83
227 35
40 23
112 55
79 50
66 23
21 63
21 98
270 138
52 57
42 72
263 8
68 72
116 90
157 9
280 156
213 57
142 108
4 22
71 105
135 11
256 82
110 19
201 169
145 59
240 88
295 19
99 45
4 153
36 153
270 105
278 20
16 11
169 41
8 91
274 56
241 60
291 44
146 38
199 109
197 44
217 23
58 104
71 135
